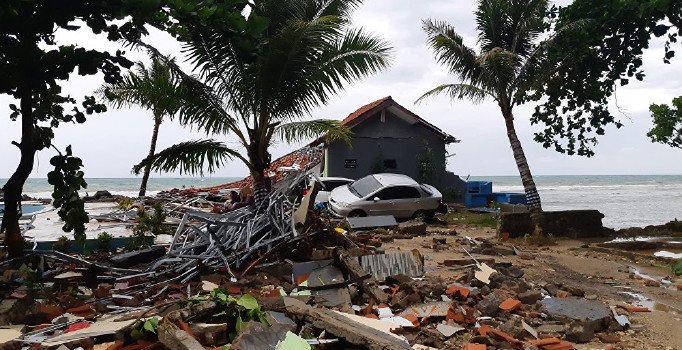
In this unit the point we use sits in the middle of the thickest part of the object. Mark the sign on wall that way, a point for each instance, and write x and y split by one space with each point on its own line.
351 163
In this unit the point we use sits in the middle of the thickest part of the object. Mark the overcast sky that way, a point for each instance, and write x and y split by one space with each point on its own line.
111 143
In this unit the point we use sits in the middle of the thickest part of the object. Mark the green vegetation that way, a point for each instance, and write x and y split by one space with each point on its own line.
147 224
104 242
312 50
62 244
600 47
508 66
153 88
125 203
35 66
471 219
145 329
236 312
677 268
667 124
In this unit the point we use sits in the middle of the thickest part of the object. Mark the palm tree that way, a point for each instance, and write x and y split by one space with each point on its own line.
506 69
306 54
153 88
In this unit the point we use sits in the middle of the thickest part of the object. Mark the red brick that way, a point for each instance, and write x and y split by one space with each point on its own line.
510 304
548 341
564 345
474 346
632 308
457 291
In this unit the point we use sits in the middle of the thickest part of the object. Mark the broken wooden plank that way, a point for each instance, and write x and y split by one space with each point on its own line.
370 284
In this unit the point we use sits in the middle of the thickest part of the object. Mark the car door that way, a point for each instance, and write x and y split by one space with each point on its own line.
406 202
382 202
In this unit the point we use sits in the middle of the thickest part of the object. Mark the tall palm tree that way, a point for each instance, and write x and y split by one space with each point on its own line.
154 88
507 67
307 53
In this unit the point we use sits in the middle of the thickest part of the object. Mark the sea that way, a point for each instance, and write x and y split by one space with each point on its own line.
625 200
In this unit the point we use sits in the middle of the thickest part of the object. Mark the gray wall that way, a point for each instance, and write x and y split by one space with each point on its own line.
374 140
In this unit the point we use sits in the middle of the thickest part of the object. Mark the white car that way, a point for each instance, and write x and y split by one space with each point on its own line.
328 185
386 194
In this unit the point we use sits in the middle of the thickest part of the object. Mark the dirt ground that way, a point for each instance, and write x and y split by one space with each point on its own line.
574 263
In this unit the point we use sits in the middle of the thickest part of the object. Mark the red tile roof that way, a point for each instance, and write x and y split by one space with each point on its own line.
364 109
303 159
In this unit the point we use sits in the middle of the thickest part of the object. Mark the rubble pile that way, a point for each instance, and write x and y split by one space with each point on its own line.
284 277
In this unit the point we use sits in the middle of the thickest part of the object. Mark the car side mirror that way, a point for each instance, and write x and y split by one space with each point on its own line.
376 199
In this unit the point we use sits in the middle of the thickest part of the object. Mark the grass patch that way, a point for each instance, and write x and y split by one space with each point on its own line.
471 219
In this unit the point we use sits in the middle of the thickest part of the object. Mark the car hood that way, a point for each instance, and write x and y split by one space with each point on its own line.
342 194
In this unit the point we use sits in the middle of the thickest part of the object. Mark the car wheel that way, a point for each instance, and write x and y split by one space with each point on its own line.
357 214
424 215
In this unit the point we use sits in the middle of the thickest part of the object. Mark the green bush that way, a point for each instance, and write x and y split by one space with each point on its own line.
677 268
62 244
104 242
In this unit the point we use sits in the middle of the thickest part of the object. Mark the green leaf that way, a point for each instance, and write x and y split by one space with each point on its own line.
677 268
248 302
239 325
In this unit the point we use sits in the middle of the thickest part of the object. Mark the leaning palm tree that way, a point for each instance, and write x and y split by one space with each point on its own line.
306 54
505 70
154 88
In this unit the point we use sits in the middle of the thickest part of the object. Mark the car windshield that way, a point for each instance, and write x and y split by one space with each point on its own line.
364 186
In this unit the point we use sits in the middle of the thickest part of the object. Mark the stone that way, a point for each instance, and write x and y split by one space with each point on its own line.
575 291
512 271
552 328
530 297
592 314
552 289
580 332
102 194
489 305
413 228
609 338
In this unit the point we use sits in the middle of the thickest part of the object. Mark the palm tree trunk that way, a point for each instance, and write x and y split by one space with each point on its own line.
260 190
534 204
158 118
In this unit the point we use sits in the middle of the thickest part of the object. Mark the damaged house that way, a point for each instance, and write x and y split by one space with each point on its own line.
388 137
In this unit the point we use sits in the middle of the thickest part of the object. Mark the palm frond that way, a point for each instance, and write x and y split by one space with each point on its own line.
304 130
190 157
451 51
151 87
352 57
458 92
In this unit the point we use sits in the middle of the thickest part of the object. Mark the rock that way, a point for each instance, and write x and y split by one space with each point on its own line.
512 271
589 313
551 289
591 297
530 297
575 291
12 311
490 305
102 194
413 228
609 338
399 280
552 328
579 332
